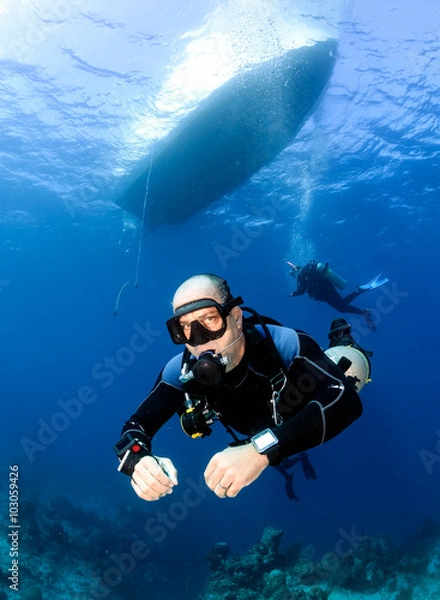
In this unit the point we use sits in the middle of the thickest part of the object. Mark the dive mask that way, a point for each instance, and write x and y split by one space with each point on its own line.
200 333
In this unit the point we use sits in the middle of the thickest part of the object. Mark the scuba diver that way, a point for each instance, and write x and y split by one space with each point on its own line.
320 282
247 373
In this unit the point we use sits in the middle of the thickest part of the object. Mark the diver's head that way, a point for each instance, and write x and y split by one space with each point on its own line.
207 317
294 269
338 329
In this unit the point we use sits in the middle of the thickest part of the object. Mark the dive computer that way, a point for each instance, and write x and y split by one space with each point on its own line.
266 442
130 449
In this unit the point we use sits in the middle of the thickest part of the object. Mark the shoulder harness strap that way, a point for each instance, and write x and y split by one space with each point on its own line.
264 356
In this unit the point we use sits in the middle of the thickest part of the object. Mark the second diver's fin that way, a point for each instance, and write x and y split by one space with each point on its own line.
285 466
374 283
369 319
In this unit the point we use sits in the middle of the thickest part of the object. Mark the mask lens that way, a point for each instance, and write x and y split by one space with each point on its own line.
200 334
176 332
211 324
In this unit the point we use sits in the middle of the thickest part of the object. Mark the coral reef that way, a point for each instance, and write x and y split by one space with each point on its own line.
262 572
70 553
369 566
373 568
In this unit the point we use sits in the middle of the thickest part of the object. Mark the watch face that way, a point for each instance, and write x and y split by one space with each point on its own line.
264 440
123 445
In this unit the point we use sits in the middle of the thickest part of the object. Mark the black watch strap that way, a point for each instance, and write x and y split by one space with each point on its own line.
130 449
274 455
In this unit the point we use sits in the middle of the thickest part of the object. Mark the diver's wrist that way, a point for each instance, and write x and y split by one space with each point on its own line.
266 443
130 449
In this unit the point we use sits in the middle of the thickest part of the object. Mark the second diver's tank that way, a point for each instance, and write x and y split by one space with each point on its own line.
333 277
359 367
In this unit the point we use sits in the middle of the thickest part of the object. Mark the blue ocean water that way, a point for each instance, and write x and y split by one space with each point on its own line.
86 89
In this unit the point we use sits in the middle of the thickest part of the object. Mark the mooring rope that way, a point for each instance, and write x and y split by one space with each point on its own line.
135 281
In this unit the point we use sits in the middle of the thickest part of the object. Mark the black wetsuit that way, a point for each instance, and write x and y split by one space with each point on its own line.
317 403
318 287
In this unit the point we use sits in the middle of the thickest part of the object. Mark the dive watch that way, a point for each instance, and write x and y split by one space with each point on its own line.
130 449
266 442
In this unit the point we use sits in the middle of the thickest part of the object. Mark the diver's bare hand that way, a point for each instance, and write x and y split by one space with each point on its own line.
229 471
154 477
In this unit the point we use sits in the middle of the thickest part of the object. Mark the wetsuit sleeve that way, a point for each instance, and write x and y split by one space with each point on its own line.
300 287
321 399
159 406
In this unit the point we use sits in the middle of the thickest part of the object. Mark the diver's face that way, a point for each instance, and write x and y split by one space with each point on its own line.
227 331
201 326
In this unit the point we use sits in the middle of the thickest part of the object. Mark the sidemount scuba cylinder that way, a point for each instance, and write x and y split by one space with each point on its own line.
353 363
